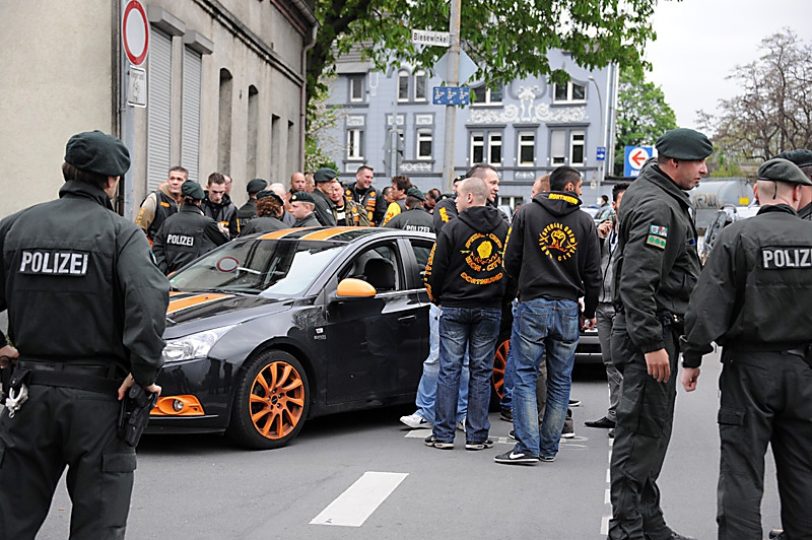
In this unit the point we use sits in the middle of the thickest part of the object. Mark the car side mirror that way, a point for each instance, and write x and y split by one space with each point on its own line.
355 288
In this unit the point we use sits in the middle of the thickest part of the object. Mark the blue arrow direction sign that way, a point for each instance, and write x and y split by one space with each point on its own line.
451 95
600 154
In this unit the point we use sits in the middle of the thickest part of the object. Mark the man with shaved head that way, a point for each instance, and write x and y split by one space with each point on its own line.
464 275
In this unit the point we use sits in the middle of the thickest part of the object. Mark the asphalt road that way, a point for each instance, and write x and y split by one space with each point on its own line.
202 487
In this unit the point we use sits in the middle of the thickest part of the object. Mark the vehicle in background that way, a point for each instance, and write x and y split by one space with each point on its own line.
724 217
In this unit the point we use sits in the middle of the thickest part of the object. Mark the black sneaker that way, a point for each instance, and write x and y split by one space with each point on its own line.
516 458
575 403
600 423
432 441
547 459
568 431
506 415
479 445
512 434
777 534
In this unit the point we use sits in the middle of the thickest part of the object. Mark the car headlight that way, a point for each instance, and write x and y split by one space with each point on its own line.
194 345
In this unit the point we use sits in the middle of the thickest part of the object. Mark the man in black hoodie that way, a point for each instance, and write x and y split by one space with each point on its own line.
554 255
464 275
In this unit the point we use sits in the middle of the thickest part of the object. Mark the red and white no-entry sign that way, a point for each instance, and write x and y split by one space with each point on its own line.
135 32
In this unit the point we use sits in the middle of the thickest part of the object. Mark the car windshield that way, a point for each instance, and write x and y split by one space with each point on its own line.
252 265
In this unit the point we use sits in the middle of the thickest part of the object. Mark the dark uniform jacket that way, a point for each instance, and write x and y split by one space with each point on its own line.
224 213
246 213
367 198
806 212
309 221
414 219
444 211
324 208
755 291
79 284
464 268
262 224
184 237
657 264
553 251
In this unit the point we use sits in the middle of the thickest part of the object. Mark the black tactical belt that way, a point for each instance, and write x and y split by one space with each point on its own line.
92 378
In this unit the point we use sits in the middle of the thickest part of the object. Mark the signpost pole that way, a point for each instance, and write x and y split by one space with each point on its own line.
452 80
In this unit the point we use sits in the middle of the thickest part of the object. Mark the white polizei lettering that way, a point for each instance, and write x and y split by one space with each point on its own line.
805 263
180 240
76 262
64 262
26 260
780 259
36 262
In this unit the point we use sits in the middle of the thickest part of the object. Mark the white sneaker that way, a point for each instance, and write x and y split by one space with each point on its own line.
461 425
415 421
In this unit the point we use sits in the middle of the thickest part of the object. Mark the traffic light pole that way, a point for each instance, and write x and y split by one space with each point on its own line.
453 79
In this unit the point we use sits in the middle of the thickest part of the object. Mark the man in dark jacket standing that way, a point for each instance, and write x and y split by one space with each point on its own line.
303 209
464 275
188 234
753 299
415 218
85 305
218 206
656 270
325 179
248 211
554 255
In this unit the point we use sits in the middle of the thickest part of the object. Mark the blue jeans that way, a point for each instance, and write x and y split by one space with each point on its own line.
542 326
507 387
475 330
427 389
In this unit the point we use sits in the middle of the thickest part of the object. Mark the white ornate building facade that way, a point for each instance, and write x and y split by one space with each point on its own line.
524 129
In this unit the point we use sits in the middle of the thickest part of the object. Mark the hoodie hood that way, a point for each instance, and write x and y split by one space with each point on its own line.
558 203
482 219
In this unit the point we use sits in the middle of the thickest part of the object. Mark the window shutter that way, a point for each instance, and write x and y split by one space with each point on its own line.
158 108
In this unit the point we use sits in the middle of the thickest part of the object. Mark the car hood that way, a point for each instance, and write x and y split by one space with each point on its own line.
197 311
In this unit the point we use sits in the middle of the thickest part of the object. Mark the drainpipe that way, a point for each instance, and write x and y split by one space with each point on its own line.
303 100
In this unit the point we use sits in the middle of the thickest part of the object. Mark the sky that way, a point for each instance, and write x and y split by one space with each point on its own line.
699 42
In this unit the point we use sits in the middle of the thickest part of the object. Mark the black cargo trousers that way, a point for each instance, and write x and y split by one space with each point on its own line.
645 416
55 428
766 398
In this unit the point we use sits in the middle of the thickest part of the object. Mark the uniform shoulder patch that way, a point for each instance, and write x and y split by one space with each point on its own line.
657 236
658 230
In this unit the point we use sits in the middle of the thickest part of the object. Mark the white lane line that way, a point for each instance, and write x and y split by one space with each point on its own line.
605 525
607 497
417 433
608 476
360 500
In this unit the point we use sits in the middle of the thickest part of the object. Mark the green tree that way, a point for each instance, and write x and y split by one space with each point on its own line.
642 114
507 38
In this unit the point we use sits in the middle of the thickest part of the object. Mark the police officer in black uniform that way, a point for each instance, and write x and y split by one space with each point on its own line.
415 218
655 272
803 159
269 209
86 305
303 209
325 179
188 234
248 211
753 299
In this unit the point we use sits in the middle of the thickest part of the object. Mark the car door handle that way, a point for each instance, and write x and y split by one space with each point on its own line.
407 319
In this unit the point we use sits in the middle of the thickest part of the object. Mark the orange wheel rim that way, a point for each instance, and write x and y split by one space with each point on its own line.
499 364
277 400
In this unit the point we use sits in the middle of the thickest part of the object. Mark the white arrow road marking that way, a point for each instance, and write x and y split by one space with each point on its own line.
360 500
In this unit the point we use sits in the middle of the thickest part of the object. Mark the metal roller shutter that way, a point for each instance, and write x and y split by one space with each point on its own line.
190 121
158 108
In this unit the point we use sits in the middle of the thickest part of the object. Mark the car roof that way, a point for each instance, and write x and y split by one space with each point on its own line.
341 235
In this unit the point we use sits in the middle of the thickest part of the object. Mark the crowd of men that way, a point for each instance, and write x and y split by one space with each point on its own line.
548 268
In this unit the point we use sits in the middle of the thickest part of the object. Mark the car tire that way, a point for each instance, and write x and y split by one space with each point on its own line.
271 402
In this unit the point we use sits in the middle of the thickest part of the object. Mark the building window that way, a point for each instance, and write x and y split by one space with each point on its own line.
252 136
513 202
420 83
356 88
494 148
355 144
424 144
477 147
558 147
527 148
487 96
403 85
577 154
572 92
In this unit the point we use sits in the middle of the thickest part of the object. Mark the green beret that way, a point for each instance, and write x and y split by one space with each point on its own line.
192 190
325 174
684 143
302 196
97 152
802 157
267 194
782 170
256 185
416 193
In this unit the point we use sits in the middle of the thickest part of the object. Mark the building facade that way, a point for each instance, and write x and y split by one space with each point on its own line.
224 91
525 129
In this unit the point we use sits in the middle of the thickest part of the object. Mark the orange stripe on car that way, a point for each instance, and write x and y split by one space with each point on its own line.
276 235
327 233
199 299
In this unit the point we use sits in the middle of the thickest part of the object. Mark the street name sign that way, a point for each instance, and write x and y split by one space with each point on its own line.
431 38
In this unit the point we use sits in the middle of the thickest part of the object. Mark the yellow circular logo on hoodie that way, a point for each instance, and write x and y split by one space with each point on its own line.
558 242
